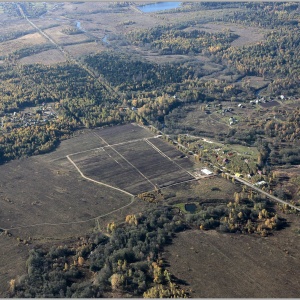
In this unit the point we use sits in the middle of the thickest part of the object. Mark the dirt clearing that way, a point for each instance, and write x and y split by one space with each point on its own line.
48 57
247 35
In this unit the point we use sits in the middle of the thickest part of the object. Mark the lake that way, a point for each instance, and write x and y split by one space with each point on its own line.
159 6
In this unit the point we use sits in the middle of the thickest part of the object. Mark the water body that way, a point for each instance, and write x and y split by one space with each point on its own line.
78 26
191 207
158 6
104 40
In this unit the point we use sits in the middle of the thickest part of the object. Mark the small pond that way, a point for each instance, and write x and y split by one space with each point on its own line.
159 6
190 207
105 40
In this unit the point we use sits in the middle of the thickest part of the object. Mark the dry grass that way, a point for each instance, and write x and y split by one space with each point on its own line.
84 49
12 25
22 42
255 81
48 57
230 266
61 38
196 118
212 190
37 192
247 35
13 256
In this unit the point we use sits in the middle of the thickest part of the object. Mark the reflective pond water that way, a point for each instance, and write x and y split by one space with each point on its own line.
159 6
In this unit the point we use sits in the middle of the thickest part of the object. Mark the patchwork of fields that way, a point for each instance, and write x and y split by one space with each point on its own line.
133 160
90 176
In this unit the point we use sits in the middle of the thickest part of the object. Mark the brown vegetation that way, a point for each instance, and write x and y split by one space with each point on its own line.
220 265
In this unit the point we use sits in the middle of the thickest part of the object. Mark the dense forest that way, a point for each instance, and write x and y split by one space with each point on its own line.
131 75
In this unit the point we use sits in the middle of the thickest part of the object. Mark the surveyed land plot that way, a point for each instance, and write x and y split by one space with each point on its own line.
173 154
85 179
108 167
85 141
154 163
124 133
132 160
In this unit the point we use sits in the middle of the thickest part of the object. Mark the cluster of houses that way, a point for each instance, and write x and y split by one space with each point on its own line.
257 101
265 100
34 116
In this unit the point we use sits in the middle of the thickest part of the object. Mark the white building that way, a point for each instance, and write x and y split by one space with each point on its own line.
206 171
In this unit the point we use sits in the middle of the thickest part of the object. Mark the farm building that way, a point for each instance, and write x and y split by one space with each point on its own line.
206 171
260 183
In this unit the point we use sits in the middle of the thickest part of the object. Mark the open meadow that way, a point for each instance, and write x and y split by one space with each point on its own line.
218 265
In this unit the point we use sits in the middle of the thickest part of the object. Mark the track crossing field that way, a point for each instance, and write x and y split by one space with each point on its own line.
133 160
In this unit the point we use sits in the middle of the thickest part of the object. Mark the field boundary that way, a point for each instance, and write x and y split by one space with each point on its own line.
111 146
69 223
166 156
81 221
95 181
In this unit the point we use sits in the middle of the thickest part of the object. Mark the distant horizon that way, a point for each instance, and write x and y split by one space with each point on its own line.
142 1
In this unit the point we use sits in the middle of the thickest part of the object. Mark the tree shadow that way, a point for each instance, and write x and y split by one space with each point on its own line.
179 281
